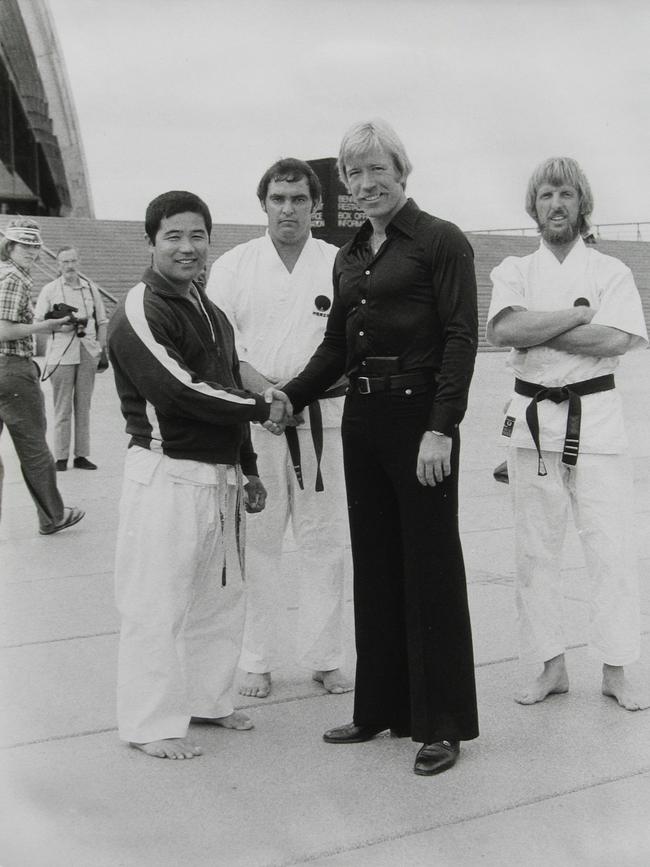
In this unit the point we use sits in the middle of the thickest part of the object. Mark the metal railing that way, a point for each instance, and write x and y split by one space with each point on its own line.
634 231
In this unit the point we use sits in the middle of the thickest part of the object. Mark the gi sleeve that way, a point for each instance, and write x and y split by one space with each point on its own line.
620 305
222 291
507 288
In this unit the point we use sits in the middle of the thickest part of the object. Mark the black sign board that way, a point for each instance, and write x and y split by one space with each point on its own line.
338 218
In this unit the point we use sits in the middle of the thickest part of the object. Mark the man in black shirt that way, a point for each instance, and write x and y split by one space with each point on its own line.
403 327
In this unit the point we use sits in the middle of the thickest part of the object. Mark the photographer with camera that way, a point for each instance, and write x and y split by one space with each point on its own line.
22 408
72 359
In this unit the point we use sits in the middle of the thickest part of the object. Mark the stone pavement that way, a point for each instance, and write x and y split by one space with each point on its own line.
566 782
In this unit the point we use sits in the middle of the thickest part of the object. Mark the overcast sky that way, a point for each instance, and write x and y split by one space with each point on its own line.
205 94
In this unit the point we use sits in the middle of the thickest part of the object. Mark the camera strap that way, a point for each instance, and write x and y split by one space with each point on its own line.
83 283
44 378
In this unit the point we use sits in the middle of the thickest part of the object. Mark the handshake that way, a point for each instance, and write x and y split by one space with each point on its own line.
281 413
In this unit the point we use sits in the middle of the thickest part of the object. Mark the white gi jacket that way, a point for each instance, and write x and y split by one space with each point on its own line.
540 282
275 314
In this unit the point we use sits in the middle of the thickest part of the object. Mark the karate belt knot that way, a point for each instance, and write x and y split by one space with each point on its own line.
316 424
558 394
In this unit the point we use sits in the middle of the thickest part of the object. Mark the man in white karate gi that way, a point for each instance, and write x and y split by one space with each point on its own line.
276 291
569 312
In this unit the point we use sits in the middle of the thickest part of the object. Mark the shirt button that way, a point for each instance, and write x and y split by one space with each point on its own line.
363 300
363 363
361 333
367 273
408 391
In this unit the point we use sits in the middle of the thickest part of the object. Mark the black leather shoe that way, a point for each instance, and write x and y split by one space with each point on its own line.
61 466
352 734
436 758
84 464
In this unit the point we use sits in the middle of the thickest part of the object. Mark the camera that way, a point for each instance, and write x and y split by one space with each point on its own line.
60 311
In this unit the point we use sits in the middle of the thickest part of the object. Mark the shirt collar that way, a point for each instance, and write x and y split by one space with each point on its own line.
575 254
159 285
404 221
21 271
82 284
271 246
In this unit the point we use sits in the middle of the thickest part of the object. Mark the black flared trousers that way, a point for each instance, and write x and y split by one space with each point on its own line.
415 666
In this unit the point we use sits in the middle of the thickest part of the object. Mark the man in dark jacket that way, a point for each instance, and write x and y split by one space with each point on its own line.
189 474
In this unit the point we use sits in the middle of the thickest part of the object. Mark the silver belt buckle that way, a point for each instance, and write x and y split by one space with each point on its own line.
363 385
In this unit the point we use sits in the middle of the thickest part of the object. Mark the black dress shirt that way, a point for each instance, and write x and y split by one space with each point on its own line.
415 298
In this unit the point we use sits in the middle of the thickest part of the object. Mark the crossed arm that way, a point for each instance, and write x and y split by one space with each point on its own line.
570 330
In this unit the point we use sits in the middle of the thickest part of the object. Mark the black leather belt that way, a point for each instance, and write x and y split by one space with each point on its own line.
403 382
558 394
316 424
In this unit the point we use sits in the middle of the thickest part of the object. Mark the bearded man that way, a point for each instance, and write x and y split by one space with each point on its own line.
569 312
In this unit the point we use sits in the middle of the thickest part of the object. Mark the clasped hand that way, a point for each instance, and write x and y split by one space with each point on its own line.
281 411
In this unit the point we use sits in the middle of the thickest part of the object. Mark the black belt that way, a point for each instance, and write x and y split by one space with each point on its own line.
558 394
399 382
316 424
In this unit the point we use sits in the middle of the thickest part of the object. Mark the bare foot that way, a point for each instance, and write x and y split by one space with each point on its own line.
237 720
256 685
170 748
334 681
553 680
616 685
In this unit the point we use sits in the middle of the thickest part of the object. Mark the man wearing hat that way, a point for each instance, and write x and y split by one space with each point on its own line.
22 408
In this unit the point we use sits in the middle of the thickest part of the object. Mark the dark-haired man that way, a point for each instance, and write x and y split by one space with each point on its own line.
276 291
189 473
569 312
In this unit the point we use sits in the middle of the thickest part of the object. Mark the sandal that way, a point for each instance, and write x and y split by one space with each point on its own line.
71 517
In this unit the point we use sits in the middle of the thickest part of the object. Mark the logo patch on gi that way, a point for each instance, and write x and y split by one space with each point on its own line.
508 425
322 304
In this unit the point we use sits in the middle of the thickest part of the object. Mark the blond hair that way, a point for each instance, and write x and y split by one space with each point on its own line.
370 135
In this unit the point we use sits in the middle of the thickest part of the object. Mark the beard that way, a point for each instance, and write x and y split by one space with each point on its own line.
565 235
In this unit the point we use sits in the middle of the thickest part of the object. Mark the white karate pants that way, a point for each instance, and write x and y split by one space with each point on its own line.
599 492
181 628
320 528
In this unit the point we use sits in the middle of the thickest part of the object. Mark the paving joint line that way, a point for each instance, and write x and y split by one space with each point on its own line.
26 581
389 838
58 640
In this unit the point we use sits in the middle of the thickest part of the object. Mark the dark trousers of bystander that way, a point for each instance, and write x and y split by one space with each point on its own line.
415 668
22 410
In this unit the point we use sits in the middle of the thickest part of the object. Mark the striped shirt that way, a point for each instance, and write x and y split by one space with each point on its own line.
16 306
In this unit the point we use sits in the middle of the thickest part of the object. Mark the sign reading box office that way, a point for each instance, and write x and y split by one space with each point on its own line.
339 217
